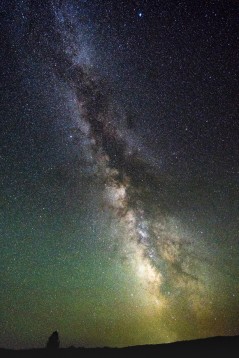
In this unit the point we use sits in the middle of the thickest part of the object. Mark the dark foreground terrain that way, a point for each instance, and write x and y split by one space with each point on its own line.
209 347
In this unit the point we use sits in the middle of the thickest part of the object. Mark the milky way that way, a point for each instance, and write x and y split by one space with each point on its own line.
123 249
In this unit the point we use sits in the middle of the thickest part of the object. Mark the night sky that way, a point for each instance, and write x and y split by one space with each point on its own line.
119 171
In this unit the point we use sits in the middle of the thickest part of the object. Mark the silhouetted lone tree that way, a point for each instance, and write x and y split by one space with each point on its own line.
53 341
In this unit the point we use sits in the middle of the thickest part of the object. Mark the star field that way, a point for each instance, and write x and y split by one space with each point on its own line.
118 172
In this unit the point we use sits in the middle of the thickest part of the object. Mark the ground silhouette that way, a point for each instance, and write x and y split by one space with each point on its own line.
215 347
